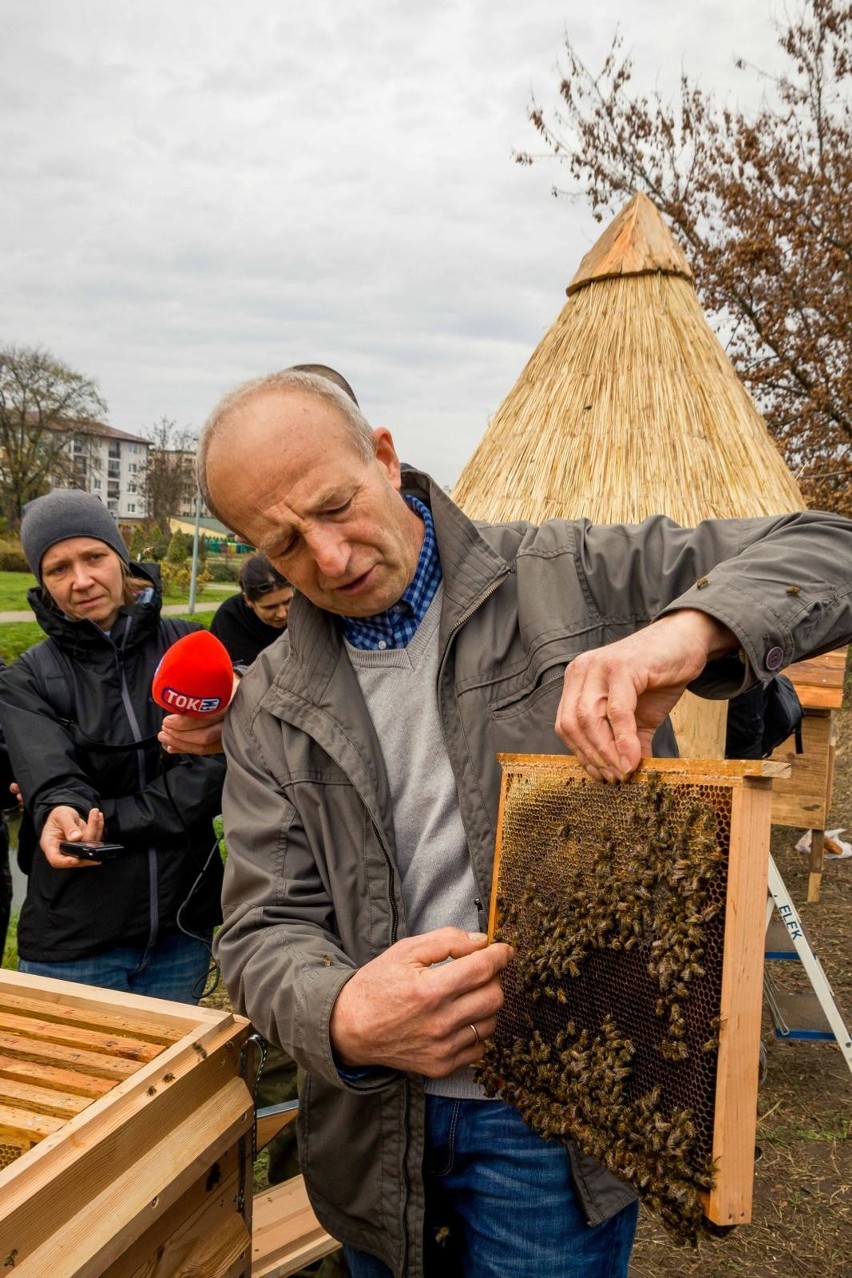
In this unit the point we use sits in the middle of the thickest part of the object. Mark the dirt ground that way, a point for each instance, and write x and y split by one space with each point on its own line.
802 1220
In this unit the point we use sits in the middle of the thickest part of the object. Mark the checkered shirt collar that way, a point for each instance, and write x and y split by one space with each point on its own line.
397 626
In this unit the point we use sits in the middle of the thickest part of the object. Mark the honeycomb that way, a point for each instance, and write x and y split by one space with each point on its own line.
613 897
8 1154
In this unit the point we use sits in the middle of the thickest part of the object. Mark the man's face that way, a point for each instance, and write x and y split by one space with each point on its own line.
85 579
287 476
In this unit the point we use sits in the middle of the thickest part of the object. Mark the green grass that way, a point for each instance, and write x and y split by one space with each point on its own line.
14 587
13 590
17 636
10 953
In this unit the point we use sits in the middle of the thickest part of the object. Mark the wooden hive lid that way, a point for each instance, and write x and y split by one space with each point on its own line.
636 242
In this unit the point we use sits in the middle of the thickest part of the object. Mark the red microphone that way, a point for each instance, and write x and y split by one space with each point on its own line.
195 675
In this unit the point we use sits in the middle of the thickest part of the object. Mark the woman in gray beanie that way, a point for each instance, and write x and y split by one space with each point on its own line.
81 728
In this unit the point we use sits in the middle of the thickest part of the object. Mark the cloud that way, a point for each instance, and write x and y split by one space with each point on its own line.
197 193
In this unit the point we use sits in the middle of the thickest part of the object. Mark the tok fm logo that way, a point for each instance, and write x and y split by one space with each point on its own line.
192 705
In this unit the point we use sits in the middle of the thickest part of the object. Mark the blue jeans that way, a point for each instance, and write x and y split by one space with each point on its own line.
503 1201
175 968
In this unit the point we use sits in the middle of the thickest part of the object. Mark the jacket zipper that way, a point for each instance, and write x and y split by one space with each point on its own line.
141 772
462 620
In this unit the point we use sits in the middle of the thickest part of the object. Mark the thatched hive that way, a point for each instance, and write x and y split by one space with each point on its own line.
629 407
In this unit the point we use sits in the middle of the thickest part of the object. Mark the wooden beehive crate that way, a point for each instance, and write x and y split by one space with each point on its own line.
570 862
125 1135
804 800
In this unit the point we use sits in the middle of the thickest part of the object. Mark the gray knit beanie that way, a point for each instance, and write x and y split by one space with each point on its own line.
66 512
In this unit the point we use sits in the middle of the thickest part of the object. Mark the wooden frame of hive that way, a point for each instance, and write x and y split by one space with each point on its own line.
133 1122
734 1105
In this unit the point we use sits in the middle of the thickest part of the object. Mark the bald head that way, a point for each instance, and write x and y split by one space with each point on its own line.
290 464
229 417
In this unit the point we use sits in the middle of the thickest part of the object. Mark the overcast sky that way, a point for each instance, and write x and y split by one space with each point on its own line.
198 191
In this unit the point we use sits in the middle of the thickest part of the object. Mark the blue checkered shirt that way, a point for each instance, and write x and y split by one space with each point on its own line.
397 626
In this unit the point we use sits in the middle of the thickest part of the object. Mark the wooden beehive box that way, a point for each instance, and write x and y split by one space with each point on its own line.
125 1135
631 1021
804 800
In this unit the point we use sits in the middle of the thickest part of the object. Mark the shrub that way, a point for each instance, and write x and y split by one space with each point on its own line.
176 577
12 558
223 570
180 547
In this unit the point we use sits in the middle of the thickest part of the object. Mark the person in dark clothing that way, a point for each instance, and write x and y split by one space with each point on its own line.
7 800
248 622
81 728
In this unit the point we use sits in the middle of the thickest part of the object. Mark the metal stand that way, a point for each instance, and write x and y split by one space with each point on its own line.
812 1015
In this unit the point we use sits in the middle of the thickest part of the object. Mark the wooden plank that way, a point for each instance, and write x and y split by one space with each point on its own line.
706 770
184 1017
143 1183
221 1250
700 727
184 1088
42 1031
286 1234
167 1245
18 1125
504 761
268 1126
819 680
75 1058
803 799
42 1100
63 1080
87 1018
737 1074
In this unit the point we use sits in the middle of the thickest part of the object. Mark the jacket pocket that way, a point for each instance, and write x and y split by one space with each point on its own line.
523 693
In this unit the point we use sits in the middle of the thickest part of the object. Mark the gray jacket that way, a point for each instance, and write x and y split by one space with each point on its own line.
311 885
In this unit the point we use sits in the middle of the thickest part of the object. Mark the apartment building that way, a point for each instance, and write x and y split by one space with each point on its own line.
111 463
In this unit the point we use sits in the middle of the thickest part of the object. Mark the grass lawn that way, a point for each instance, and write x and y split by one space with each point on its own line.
10 953
14 587
13 590
17 636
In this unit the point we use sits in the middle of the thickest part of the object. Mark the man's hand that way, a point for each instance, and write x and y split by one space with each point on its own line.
615 698
402 1012
65 823
192 733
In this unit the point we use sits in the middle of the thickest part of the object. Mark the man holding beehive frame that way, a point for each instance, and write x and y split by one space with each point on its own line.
361 799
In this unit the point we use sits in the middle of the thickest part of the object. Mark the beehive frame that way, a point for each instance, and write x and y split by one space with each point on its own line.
697 1026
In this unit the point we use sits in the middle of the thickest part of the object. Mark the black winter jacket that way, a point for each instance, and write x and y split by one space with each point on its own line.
241 630
105 754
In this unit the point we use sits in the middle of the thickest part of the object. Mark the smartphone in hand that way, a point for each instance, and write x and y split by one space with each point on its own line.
91 851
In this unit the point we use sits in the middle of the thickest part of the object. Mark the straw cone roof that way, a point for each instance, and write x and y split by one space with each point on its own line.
628 406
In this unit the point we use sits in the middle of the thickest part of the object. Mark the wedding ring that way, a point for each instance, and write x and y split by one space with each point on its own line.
476 1039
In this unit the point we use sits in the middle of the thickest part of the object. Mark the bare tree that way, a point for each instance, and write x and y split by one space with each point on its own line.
169 476
761 204
47 411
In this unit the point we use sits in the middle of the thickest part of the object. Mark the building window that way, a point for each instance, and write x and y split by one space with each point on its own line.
96 483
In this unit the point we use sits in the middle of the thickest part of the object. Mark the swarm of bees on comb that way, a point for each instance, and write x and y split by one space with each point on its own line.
613 898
